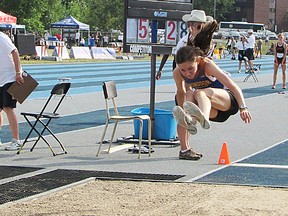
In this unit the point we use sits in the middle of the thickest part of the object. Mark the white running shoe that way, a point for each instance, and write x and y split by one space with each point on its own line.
184 120
193 110
14 146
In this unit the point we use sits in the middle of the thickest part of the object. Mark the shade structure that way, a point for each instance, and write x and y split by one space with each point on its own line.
70 23
6 19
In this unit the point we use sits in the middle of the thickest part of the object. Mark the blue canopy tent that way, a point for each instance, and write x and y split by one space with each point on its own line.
70 23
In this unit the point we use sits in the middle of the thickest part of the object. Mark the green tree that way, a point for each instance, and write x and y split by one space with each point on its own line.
105 15
27 12
37 15
222 7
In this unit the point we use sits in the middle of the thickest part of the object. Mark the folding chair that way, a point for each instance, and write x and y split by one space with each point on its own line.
65 79
252 71
110 94
44 117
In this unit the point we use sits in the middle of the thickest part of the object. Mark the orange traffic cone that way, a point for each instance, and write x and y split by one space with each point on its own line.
224 155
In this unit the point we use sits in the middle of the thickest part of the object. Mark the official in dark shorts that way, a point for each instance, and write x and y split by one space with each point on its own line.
11 71
6 99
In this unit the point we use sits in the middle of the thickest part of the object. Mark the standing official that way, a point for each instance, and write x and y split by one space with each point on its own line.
10 72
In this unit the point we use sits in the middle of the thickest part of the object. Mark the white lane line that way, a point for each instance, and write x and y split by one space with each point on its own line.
234 162
260 165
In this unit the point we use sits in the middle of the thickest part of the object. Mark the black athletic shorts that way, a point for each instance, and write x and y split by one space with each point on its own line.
6 99
241 55
222 116
249 53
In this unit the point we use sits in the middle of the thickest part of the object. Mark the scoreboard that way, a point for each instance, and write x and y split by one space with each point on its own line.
154 26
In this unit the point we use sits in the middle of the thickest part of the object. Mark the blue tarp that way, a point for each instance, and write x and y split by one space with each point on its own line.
70 23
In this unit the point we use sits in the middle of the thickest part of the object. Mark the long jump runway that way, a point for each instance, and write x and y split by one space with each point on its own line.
258 151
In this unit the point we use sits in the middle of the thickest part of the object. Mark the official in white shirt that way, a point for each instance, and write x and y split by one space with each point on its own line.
249 53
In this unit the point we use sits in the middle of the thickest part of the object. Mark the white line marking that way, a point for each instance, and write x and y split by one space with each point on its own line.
260 165
234 162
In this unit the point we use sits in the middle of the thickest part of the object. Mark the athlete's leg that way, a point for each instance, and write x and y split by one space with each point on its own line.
211 100
276 65
284 75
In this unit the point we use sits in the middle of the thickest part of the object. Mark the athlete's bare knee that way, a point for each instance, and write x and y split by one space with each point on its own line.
203 92
190 95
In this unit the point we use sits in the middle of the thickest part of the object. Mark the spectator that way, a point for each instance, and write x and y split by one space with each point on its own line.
267 40
46 35
59 37
82 41
241 47
92 41
259 48
106 40
233 48
77 38
228 45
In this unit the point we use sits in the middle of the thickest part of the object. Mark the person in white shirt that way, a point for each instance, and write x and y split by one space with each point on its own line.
77 37
249 52
10 72
46 35
241 47
105 40
191 21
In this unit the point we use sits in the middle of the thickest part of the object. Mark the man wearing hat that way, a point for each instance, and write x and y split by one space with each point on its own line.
249 52
10 72
195 21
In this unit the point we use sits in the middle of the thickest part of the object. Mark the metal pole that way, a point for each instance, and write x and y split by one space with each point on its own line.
152 92
214 9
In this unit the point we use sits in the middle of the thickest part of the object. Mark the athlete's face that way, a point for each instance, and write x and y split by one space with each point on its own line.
280 38
188 69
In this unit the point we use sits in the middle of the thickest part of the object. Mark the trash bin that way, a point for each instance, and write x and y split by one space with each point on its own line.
164 124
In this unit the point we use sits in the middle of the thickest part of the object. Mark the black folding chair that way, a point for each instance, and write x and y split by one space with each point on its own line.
252 71
44 117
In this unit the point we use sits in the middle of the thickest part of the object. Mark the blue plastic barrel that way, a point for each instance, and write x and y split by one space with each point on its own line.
164 124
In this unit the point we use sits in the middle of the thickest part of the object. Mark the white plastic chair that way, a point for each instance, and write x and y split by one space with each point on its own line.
110 94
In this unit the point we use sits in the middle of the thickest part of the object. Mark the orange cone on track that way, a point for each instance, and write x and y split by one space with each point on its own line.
224 155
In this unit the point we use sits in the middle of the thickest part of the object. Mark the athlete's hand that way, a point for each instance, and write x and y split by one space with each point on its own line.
158 75
245 115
